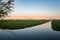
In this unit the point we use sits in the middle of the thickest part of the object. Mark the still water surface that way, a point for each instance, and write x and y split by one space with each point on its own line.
40 32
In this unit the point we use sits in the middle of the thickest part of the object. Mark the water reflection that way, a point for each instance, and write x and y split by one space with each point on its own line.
40 32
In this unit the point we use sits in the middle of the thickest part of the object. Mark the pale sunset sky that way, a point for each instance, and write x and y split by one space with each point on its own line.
36 8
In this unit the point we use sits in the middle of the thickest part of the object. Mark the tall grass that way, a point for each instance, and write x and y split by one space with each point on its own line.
56 25
18 24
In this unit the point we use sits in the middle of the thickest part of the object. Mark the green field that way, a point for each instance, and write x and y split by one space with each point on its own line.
18 24
56 25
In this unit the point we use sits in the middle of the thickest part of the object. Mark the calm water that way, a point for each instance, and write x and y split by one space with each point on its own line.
40 32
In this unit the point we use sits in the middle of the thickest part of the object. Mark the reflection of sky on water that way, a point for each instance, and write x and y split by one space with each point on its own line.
43 32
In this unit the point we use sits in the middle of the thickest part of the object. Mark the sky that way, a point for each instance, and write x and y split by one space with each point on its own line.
36 8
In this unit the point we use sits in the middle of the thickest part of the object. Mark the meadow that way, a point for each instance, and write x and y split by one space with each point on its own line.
19 24
56 25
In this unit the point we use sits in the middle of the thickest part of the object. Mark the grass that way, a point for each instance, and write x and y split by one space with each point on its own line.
56 25
19 24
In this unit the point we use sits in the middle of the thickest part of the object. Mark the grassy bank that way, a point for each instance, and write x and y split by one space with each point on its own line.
18 24
56 25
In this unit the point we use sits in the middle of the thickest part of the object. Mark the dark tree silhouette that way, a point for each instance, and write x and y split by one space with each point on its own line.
5 7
